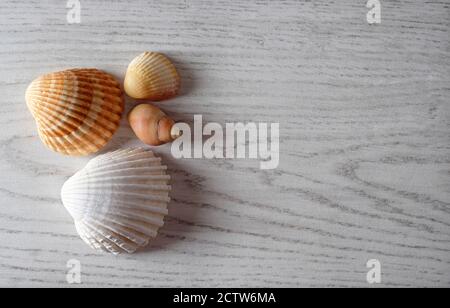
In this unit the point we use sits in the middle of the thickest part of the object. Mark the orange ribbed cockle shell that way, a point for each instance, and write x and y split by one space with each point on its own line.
77 111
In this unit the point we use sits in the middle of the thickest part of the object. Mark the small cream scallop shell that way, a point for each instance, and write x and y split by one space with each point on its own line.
119 200
76 111
152 76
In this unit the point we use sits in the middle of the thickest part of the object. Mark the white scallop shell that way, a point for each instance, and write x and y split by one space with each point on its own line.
119 200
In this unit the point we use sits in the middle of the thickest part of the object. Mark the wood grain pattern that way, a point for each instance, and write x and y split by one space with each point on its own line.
365 158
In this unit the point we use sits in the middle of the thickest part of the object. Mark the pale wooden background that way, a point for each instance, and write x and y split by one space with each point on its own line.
365 157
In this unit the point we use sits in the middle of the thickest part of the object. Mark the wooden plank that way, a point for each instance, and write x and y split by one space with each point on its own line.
364 142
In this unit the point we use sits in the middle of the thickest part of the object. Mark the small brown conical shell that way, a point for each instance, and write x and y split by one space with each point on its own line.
151 125
77 111
152 76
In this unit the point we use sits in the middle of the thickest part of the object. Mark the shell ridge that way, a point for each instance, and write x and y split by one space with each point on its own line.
114 237
125 234
126 165
105 243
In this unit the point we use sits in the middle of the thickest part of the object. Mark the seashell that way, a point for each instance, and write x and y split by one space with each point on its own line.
151 125
152 76
76 111
119 200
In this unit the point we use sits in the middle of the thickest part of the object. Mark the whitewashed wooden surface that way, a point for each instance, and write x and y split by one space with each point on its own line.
365 157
